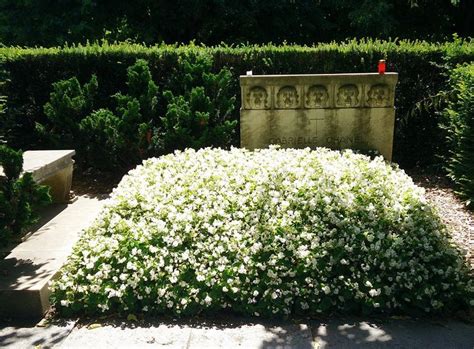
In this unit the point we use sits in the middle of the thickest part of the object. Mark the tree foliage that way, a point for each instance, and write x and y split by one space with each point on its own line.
44 22
200 113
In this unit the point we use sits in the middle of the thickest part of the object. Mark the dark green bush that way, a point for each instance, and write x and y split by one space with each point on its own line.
201 115
69 103
195 113
459 123
118 139
20 196
423 69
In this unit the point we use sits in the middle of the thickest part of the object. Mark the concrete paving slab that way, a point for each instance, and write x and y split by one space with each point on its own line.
252 337
30 336
420 333
334 333
190 337
27 270
128 336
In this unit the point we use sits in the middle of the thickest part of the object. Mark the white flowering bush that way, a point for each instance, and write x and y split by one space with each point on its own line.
269 232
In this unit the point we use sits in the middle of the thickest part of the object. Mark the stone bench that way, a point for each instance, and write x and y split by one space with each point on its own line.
52 168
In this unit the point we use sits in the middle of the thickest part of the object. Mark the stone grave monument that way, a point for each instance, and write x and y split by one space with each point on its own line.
337 111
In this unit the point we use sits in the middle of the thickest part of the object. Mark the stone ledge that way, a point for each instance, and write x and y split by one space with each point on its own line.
52 168
26 272
45 163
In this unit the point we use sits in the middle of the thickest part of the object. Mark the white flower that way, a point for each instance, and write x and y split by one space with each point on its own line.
374 292
300 225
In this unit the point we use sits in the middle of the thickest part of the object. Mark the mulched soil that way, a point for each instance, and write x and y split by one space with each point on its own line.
94 183
457 217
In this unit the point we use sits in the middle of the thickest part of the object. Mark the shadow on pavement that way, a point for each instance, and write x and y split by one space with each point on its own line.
25 334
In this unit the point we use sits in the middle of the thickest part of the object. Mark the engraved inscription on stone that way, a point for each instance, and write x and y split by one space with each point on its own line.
287 98
378 96
339 142
257 98
317 97
348 96
294 142
331 141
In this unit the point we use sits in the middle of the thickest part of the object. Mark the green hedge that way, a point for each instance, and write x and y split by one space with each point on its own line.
423 69
459 123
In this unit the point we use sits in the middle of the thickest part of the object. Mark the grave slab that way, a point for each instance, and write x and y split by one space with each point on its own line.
253 336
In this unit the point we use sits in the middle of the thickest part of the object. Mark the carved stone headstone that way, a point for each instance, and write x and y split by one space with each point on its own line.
324 110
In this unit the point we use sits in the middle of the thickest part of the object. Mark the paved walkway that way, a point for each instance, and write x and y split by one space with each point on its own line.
335 333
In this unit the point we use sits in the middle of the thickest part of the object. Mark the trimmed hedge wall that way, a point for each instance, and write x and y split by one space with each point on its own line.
459 124
423 69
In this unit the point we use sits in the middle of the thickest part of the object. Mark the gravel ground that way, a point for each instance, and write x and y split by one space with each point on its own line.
459 220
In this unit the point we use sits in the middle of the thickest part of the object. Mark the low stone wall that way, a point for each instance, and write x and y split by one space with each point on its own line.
53 168
337 111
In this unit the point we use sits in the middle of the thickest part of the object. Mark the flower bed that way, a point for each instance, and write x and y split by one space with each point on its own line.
270 232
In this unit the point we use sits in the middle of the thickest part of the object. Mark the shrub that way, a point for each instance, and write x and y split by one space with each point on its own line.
198 108
422 66
459 123
116 140
69 103
20 196
201 114
271 232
